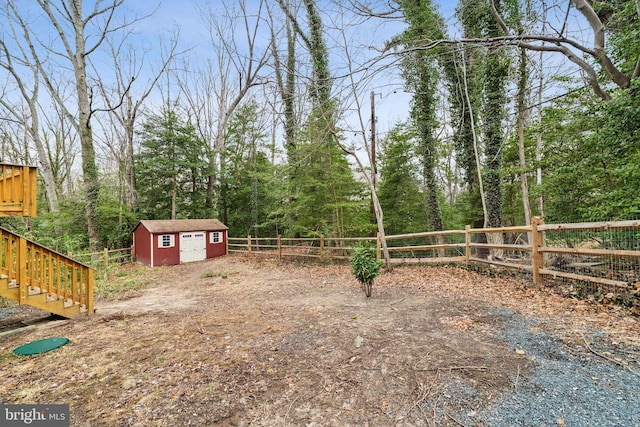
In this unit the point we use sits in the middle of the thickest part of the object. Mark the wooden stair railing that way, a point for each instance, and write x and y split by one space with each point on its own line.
18 190
34 275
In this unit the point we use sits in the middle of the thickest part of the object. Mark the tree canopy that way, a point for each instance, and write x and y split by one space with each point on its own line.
496 113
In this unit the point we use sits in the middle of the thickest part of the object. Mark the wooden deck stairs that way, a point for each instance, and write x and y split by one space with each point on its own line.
32 274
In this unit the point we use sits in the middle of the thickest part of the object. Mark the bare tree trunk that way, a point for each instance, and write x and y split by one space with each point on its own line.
89 167
32 127
70 25
539 144
376 204
370 178
475 140
214 94
522 115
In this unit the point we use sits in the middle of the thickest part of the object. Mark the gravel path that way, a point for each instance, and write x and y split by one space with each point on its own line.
570 386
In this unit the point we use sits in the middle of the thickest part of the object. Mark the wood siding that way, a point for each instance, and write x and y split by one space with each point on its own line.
148 252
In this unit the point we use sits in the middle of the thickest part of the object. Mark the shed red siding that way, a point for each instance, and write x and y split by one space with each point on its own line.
148 234
217 249
166 256
142 245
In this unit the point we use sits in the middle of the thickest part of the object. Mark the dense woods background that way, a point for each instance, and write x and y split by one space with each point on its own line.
270 121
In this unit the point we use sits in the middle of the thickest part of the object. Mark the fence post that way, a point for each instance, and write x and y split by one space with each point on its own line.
467 244
537 260
378 246
106 257
249 243
280 247
321 246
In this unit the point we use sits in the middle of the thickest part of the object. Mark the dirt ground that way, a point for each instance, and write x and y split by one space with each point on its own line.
234 342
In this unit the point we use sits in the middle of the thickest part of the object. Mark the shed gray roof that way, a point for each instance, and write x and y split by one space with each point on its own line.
178 225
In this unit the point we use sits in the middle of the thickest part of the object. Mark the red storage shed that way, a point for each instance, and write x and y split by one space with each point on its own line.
170 242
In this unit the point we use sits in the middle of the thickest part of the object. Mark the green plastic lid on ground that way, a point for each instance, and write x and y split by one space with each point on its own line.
40 346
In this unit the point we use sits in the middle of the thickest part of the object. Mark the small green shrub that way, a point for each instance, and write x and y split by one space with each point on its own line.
364 265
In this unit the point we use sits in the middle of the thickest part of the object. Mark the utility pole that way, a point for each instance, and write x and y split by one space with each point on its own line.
374 168
372 157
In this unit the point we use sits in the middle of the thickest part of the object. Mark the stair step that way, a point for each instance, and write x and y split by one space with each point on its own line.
53 305
18 283
12 293
41 300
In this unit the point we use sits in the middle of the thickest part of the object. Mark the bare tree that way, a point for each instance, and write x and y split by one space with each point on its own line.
25 74
61 144
285 75
573 49
370 179
78 35
523 115
125 100
215 89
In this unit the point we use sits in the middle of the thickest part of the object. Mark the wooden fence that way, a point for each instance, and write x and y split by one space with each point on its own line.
598 254
105 257
590 257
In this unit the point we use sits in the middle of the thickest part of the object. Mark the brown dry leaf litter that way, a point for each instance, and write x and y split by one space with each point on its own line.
243 342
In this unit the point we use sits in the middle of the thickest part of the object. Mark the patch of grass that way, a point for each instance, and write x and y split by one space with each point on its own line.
210 274
5 302
223 274
119 290
121 282
8 356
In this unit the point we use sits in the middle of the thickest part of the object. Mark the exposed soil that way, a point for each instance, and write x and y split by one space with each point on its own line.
232 341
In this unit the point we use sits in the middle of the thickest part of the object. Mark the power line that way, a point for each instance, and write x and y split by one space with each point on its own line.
554 98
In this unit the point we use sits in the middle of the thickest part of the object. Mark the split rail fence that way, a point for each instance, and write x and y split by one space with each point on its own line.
589 257
592 256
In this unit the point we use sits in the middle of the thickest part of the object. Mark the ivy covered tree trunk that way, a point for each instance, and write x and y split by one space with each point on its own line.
496 73
493 114
419 68
325 198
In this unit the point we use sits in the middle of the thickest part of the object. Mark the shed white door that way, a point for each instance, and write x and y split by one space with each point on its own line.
193 246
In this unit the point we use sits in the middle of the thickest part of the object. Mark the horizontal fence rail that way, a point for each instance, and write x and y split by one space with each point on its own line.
309 247
105 257
591 255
